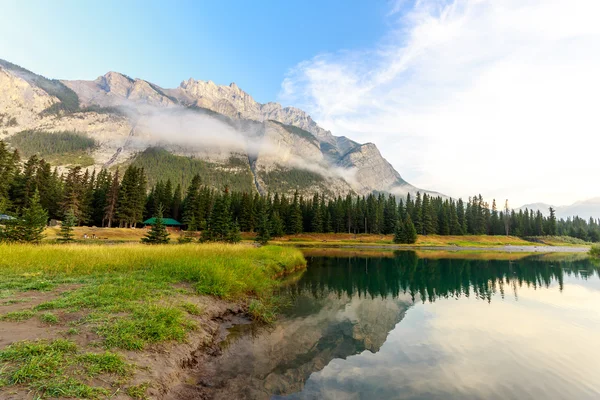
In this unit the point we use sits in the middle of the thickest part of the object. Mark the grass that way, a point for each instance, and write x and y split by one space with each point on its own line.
192 309
133 278
146 325
560 241
595 251
131 296
49 318
138 391
17 316
103 235
346 239
57 369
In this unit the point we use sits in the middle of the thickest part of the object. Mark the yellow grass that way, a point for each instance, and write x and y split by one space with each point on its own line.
424 254
103 234
341 239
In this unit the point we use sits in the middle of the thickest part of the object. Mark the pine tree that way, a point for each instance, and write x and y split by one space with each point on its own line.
33 221
8 167
295 224
277 228
220 220
317 215
25 184
427 225
234 235
418 214
263 236
112 201
176 203
410 231
167 199
158 233
73 193
400 232
552 222
192 214
66 229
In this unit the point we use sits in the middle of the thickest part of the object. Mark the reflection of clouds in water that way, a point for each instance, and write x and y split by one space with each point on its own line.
541 346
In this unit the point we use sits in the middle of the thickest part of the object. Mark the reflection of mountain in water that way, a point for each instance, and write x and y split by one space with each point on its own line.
280 359
344 306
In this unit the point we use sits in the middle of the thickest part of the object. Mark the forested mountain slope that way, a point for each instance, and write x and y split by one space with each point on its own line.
200 126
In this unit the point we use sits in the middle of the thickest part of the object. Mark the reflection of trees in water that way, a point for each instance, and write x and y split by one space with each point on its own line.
428 279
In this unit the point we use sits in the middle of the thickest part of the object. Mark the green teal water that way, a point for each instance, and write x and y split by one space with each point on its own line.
403 327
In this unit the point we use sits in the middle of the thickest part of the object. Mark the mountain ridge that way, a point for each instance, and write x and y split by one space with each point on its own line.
196 119
583 208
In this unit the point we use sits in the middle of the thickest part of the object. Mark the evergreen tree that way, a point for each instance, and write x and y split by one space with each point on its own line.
277 229
263 236
176 203
552 222
234 235
158 233
73 194
410 231
220 220
317 215
24 184
132 197
295 224
400 233
418 214
8 167
192 211
427 217
33 221
167 198
111 201
66 228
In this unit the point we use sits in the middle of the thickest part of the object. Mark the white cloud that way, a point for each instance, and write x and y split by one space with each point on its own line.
469 96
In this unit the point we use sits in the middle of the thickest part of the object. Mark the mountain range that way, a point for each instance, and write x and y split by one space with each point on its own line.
199 126
584 209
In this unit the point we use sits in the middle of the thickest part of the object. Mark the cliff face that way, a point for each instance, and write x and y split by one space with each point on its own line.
286 149
20 102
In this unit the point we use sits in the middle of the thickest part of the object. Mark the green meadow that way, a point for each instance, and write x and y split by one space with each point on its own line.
129 296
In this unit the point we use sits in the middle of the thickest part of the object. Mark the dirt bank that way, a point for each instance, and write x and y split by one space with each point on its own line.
161 370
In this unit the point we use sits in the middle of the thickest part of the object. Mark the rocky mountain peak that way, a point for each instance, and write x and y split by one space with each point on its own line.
296 142
115 83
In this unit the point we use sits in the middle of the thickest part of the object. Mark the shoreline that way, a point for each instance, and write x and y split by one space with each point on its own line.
491 249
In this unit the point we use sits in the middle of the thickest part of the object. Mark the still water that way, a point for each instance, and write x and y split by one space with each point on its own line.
437 326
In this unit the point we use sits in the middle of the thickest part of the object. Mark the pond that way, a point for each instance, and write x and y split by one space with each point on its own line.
425 326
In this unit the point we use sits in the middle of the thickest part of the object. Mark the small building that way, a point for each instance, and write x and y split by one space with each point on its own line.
170 223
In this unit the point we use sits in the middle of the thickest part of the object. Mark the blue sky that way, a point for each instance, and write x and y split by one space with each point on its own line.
497 97
252 43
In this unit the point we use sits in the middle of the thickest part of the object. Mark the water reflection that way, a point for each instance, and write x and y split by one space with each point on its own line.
410 327
428 279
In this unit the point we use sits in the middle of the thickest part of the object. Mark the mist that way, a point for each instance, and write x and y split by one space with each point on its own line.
192 132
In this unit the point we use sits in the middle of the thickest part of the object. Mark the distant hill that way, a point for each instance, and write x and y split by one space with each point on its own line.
584 209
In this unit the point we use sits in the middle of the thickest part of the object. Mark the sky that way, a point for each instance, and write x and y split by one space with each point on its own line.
497 97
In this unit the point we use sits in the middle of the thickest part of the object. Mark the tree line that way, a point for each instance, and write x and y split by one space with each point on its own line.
123 198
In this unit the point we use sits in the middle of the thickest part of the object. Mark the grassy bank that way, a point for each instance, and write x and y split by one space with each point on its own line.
103 235
345 239
82 307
